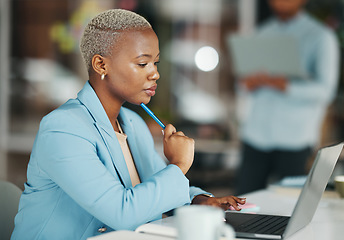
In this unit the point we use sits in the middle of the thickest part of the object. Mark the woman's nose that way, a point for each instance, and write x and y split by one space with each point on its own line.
154 75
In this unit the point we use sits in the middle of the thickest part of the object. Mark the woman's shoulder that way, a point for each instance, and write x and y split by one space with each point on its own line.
71 115
71 108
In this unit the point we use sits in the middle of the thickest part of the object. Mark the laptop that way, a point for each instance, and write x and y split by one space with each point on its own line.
263 226
274 54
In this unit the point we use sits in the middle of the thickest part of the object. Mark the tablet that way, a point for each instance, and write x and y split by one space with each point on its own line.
273 54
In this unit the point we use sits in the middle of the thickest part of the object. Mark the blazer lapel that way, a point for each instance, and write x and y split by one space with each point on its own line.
137 155
116 154
89 99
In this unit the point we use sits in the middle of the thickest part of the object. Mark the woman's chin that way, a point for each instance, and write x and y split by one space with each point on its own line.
143 100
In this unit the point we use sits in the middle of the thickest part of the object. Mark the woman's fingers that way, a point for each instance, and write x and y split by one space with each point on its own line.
178 148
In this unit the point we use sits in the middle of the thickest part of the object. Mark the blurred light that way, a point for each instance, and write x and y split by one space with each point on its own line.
206 58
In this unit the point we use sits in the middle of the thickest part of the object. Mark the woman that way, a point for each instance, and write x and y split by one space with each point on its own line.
93 167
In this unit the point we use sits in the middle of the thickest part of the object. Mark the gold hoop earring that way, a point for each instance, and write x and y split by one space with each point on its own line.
102 76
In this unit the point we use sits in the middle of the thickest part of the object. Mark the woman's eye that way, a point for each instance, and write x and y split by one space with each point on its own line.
156 63
142 64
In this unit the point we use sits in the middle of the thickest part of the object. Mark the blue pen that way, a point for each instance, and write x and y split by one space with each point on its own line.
152 115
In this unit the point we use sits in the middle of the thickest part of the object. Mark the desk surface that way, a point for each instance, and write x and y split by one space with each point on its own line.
327 223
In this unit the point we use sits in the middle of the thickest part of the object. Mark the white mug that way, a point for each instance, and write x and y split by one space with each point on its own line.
202 223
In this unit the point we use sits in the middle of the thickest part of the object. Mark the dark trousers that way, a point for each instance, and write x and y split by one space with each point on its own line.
258 167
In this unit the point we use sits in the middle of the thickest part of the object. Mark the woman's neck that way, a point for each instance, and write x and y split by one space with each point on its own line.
285 17
111 106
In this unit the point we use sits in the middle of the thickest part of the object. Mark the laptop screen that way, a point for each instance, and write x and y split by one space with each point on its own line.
314 187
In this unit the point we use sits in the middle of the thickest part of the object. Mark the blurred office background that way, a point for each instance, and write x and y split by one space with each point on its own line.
41 68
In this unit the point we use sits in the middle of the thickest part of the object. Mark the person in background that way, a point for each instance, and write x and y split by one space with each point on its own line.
93 166
282 123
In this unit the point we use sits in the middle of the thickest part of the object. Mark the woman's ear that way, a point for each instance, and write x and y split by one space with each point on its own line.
98 64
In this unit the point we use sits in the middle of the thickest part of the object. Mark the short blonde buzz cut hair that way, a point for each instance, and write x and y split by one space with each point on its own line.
102 32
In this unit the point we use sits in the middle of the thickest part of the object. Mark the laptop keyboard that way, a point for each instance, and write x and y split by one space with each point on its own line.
264 224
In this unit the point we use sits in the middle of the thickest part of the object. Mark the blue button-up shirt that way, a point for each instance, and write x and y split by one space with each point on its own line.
292 120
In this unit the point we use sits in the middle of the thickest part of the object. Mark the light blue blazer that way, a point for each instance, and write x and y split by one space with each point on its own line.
78 181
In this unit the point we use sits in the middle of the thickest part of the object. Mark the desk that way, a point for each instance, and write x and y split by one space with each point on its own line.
327 223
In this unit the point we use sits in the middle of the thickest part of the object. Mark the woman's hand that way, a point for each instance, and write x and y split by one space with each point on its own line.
222 202
178 148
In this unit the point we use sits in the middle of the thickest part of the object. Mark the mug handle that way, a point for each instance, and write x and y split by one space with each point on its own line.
227 232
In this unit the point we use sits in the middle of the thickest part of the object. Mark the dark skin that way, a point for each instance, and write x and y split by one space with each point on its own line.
284 10
131 75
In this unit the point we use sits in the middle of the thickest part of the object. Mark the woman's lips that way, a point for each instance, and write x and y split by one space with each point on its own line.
151 91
